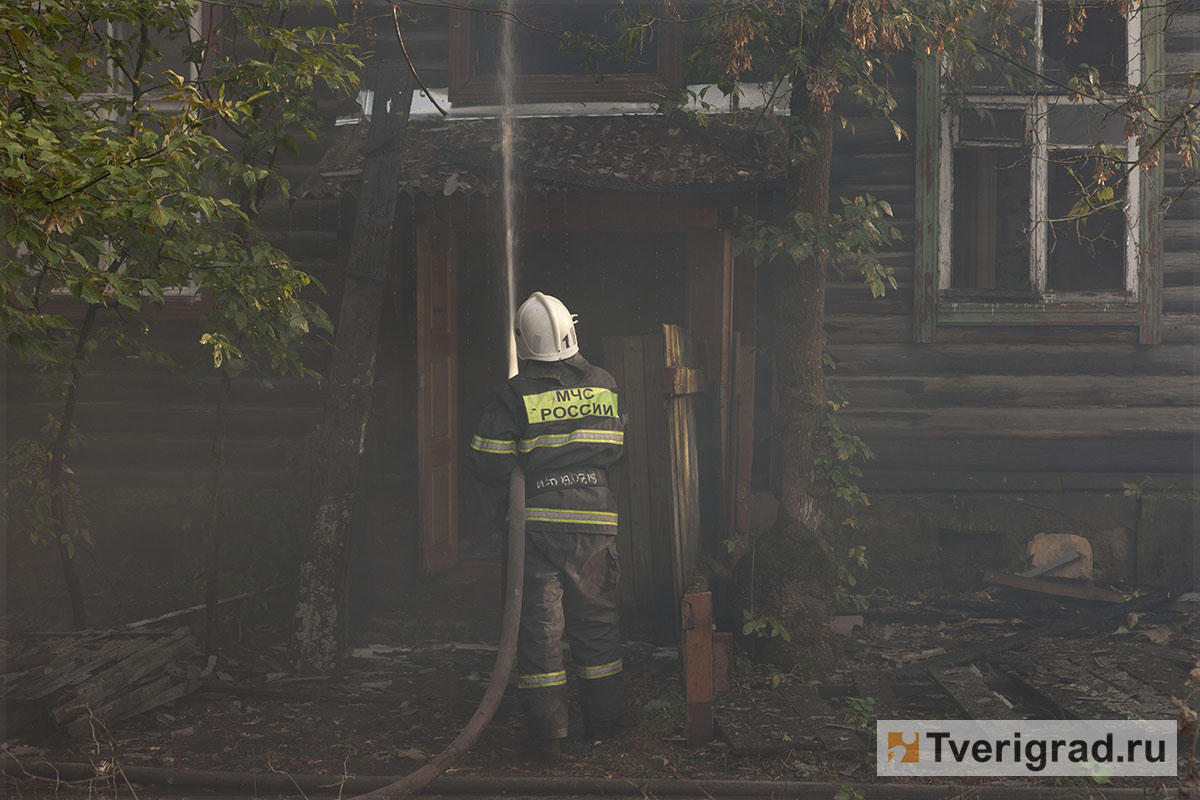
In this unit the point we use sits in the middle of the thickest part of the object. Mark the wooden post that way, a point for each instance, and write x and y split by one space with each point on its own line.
697 624
322 586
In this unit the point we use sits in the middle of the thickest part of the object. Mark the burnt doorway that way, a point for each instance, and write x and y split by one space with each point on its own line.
617 284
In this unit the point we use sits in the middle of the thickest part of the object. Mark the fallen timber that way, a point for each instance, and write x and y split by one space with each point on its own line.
967 655
75 682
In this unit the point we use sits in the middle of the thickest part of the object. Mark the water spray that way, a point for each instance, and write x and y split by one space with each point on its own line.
515 571
507 137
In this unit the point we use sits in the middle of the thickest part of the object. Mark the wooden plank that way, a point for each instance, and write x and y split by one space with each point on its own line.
676 443
1148 703
683 380
743 438
877 684
684 464
930 391
72 664
708 319
697 624
638 458
927 142
984 358
1071 688
983 650
659 481
159 691
619 478
980 482
1076 591
1170 453
131 665
1142 662
437 397
1012 424
142 623
966 687
1150 278
954 313
692 531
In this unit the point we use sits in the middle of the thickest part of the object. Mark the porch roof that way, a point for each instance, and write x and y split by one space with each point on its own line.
623 153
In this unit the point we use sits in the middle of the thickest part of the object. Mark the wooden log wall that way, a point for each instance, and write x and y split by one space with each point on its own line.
1020 429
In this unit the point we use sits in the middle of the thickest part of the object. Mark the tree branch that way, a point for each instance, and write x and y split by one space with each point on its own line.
411 67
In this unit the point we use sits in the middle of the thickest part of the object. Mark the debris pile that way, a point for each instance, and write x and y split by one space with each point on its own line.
70 682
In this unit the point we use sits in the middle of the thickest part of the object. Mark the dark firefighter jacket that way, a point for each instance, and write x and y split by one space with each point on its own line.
561 421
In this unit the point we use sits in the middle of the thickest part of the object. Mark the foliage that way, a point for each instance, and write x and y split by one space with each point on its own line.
763 627
860 711
664 714
124 183
838 456
260 316
846 599
851 236
116 184
27 494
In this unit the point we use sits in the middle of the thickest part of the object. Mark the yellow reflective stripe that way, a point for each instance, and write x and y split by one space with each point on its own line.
571 512
570 515
559 404
602 671
493 445
610 523
542 680
581 435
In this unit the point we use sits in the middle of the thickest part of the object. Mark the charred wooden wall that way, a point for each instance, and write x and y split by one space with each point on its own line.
144 470
992 434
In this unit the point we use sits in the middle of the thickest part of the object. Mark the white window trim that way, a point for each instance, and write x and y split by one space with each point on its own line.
194 29
1039 178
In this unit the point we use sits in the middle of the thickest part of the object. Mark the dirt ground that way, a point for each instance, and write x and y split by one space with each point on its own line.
420 665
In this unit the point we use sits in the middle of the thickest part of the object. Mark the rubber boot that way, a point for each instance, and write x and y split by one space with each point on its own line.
603 702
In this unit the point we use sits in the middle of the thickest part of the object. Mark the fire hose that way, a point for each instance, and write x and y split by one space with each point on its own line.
417 780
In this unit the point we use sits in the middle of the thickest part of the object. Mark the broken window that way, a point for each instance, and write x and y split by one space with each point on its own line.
1042 205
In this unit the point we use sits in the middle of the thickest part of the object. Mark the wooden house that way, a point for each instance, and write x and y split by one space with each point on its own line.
1001 402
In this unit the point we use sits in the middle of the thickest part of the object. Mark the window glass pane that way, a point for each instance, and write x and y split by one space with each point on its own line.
542 52
1085 125
1091 32
992 125
1004 45
1086 253
990 243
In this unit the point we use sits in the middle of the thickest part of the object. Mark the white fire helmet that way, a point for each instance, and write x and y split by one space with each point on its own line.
545 330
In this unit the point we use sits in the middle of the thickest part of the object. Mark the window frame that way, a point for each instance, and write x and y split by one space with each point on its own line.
199 22
468 89
936 303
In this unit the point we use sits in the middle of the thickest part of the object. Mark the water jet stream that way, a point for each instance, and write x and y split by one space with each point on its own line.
507 137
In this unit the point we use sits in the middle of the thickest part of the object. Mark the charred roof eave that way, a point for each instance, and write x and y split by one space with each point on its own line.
625 153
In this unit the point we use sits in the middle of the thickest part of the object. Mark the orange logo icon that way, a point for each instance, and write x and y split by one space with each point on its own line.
909 751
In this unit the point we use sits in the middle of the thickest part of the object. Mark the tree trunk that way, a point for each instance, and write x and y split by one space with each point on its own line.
795 575
56 470
216 516
322 589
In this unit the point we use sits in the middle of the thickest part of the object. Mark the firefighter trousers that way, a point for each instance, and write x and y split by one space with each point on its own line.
570 591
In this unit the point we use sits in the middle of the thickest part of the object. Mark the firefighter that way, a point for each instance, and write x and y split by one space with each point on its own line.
560 419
